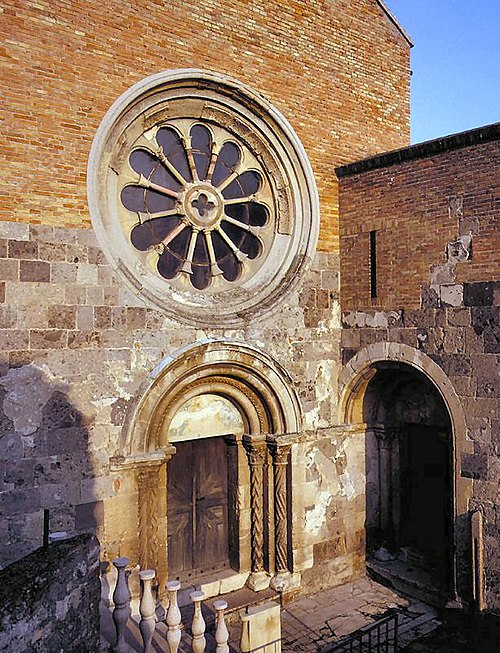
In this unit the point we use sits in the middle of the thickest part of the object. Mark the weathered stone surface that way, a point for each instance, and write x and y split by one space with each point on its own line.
28 389
478 294
89 516
23 249
475 466
34 271
49 601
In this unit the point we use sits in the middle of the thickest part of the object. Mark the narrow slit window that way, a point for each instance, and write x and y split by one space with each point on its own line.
373 264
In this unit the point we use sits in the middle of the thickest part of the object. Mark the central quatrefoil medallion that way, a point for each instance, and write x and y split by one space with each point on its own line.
203 205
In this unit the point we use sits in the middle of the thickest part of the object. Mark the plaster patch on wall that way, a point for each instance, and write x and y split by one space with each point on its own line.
313 420
457 250
348 488
315 517
333 322
376 319
28 389
323 387
118 376
141 359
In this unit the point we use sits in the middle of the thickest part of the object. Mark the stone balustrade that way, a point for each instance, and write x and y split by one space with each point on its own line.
179 636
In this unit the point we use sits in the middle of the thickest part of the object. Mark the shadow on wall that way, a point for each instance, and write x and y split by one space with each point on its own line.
44 461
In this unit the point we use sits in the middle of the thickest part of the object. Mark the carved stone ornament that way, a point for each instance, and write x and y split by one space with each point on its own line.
202 197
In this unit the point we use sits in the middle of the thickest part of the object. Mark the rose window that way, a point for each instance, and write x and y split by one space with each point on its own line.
201 201
202 198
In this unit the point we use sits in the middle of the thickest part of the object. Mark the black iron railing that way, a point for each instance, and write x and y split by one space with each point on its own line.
379 637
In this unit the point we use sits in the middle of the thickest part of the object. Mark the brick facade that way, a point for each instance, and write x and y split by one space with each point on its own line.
66 62
420 202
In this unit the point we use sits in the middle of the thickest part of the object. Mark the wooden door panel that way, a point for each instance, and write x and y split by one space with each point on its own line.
197 508
179 511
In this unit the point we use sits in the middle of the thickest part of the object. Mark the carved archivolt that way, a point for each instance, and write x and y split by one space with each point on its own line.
257 386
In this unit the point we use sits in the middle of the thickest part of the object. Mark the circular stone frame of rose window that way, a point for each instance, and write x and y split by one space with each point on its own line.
209 266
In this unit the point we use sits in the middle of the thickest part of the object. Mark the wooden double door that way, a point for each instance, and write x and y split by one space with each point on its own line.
197 514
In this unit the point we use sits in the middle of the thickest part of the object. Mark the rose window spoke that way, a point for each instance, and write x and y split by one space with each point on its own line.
202 205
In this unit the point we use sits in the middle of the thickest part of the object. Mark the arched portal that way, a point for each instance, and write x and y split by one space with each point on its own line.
416 500
197 438
409 497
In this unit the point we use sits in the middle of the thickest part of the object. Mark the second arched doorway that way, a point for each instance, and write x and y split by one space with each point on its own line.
416 498
409 493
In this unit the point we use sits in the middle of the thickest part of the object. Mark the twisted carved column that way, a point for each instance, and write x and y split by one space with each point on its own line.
280 453
256 449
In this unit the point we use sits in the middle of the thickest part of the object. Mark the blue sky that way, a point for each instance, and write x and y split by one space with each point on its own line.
455 62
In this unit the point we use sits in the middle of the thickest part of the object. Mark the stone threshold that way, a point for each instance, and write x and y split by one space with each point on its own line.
403 578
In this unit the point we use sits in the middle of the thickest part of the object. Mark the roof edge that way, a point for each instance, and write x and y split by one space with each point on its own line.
420 150
396 22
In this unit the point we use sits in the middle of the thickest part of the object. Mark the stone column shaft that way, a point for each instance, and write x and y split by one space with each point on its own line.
280 453
256 449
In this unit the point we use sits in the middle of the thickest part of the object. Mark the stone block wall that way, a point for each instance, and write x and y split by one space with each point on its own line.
77 347
439 291
49 600
60 77
329 466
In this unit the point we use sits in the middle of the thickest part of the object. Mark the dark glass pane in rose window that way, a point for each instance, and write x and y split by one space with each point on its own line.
230 267
251 246
163 177
200 254
251 213
201 276
201 144
221 248
227 162
168 265
244 185
235 233
156 201
142 162
180 243
173 149
152 232
133 198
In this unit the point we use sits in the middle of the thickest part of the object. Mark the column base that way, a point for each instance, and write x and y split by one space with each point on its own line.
258 580
285 581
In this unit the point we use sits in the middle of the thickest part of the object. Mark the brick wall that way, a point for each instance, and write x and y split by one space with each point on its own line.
339 72
420 202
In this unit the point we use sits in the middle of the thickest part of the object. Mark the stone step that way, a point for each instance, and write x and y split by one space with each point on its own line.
410 586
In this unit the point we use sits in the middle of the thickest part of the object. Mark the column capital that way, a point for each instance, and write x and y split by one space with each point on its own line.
280 451
255 446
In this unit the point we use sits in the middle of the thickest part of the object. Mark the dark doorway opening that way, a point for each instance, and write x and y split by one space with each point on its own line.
409 506
197 509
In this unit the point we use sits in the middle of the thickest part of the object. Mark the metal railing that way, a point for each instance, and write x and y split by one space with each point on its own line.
379 637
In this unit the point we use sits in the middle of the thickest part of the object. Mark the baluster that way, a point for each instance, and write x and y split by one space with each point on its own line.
198 625
221 632
147 609
121 599
173 617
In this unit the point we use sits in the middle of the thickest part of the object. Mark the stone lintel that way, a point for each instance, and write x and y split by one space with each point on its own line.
149 459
